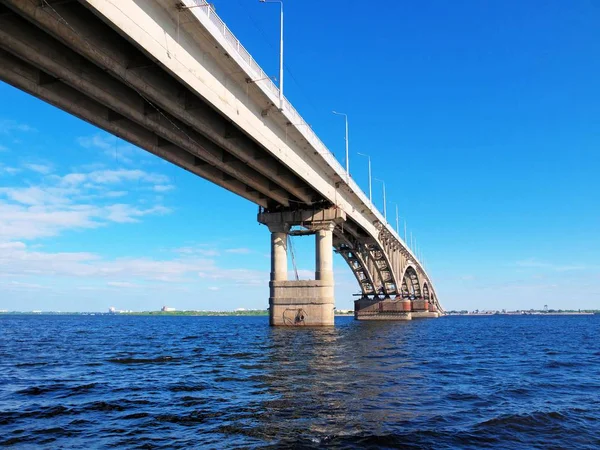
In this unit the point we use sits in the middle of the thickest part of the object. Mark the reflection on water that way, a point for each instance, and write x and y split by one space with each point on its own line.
234 382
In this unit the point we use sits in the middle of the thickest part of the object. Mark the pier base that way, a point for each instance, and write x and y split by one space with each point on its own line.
305 302
301 303
377 309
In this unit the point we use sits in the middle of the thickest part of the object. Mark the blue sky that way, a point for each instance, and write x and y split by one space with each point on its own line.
483 118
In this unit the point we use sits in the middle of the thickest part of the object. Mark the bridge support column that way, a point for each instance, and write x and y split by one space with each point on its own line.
279 252
302 302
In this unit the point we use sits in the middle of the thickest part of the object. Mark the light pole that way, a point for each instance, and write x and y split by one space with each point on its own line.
397 220
280 52
405 241
347 154
384 201
370 185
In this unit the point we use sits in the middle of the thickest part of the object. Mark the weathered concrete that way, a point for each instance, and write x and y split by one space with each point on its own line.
305 302
377 309
425 315
301 303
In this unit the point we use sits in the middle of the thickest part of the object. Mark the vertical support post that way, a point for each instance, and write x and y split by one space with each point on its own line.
324 254
279 255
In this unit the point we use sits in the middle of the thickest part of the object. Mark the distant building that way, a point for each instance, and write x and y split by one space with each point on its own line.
240 309
168 309
112 310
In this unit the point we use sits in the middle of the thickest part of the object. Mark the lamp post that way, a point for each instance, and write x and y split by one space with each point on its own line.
397 219
384 201
370 185
280 51
347 154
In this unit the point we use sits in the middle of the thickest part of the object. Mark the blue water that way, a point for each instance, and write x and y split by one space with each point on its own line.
218 382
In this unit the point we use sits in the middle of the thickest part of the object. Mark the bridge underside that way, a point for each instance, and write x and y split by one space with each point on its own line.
67 54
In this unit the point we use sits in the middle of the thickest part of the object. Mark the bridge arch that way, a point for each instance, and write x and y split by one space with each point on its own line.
354 257
411 287
426 294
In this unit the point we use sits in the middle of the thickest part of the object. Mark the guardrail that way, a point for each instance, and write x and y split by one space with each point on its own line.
295 119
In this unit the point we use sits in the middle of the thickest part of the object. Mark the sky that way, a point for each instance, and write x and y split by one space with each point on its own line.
483 118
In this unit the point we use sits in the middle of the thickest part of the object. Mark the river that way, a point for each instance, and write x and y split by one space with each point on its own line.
234 382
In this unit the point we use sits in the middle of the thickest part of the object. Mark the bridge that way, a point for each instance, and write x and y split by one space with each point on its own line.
169 77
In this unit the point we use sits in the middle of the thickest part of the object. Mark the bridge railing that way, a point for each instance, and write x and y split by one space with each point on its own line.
295 119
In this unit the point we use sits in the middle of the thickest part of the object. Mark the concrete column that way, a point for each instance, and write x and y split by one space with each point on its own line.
324 254
302 302
279 270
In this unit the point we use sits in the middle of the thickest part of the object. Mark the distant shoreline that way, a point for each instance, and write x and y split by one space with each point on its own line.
263 314
525 314
259 313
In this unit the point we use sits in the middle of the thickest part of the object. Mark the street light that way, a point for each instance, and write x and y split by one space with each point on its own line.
397 219
280 52
347 155
384 201
370 185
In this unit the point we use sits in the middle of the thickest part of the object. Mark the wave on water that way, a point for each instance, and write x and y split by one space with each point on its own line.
236 383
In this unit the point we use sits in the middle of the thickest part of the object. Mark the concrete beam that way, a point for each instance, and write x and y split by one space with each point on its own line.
31 44
26 77
303 217
99 44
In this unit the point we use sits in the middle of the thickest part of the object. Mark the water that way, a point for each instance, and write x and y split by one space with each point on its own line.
218 382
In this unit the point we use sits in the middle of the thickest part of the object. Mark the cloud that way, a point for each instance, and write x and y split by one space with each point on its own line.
39 168
10 126
97 141
114 148
6 170
18 260
104 177
74 201
163 188
3 148
123 284
122 213
239 251
197 250
533 263
238 277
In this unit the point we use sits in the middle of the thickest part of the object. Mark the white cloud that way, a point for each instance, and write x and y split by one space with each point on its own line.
97 141
197 250
10 126
239 251
534 263
114 148
122 213
163 188
72 202
214 288
39 168
115 194
122 284
103 177
3 148
6 170
18 259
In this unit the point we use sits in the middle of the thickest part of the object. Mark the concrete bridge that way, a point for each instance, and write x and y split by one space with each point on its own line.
170 77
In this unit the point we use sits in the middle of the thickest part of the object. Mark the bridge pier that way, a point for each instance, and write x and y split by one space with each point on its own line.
302 302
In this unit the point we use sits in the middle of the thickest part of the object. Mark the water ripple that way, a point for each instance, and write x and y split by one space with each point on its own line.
190 382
